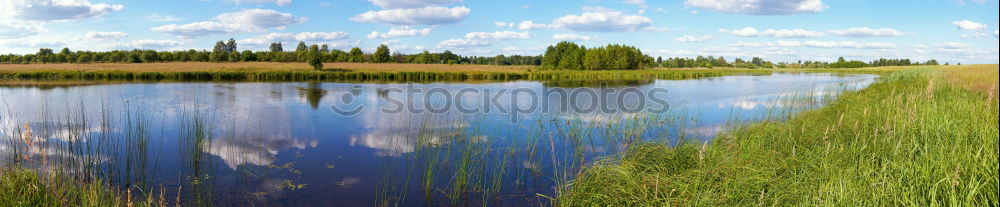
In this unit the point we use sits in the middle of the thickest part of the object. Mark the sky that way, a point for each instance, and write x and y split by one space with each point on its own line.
956 31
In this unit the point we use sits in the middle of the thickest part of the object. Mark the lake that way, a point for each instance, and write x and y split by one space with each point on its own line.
387 144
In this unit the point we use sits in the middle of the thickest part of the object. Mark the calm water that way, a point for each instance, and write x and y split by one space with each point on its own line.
263 144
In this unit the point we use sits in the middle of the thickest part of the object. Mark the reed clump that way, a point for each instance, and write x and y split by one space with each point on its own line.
912 139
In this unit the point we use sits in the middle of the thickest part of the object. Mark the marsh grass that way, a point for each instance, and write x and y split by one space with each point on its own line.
912 139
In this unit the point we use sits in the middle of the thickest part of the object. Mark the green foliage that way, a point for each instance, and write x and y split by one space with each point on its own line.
356 55
910 140
381 54
568 55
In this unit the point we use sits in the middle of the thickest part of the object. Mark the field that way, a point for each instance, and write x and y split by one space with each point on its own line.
923 137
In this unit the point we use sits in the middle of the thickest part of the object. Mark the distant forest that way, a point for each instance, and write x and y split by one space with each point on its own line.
564 55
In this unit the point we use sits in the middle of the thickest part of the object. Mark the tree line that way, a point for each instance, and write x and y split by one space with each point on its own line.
564 55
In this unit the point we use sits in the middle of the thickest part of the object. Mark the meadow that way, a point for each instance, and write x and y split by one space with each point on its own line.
919 137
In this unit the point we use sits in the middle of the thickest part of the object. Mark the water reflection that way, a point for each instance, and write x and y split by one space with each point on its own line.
256 144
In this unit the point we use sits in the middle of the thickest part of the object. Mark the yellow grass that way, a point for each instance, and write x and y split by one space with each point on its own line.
980 78
258 67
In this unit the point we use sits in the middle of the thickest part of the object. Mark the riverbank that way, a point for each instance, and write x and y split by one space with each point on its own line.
40 74
920 137
341 72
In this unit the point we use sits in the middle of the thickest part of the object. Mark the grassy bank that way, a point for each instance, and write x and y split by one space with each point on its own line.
916 138
22 187
345 72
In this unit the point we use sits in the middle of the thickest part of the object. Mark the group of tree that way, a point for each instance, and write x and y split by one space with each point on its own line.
757 62
570 56
564 55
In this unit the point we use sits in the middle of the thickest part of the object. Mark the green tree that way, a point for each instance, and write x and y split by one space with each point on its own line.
356 56
276 47
381 54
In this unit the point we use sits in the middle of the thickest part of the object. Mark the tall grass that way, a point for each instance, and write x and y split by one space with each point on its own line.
912 139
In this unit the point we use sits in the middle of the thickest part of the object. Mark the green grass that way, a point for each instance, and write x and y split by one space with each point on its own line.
912 139
22 187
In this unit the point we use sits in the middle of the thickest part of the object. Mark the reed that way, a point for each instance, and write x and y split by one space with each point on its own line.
912 139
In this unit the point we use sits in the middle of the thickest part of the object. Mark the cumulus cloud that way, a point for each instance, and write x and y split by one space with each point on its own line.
690 39
759 7
105 35
968 25
53 10
415 16
33 43
504 24
250 20
573 37
745 32
293 37
604 21
996 33
406 4
278 2
404 31
791 33
531 25
866 32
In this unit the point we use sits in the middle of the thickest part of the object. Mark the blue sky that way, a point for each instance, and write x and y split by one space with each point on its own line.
783 30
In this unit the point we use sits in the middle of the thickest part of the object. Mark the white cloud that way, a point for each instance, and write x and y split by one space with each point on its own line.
404 31
53 10
573 37
8 30
294 37
953 47
498 35
33 43
464 43
105 35
278 2
759 7
504 24
849 44
791 33
690 39
531 25
996 33
866 32
406 4
968 25
415 16
250 20
482 39
604 21
745 32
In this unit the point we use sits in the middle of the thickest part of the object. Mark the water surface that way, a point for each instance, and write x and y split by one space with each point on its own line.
264 144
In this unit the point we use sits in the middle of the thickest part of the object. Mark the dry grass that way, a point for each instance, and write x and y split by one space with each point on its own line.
979 78
258 67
